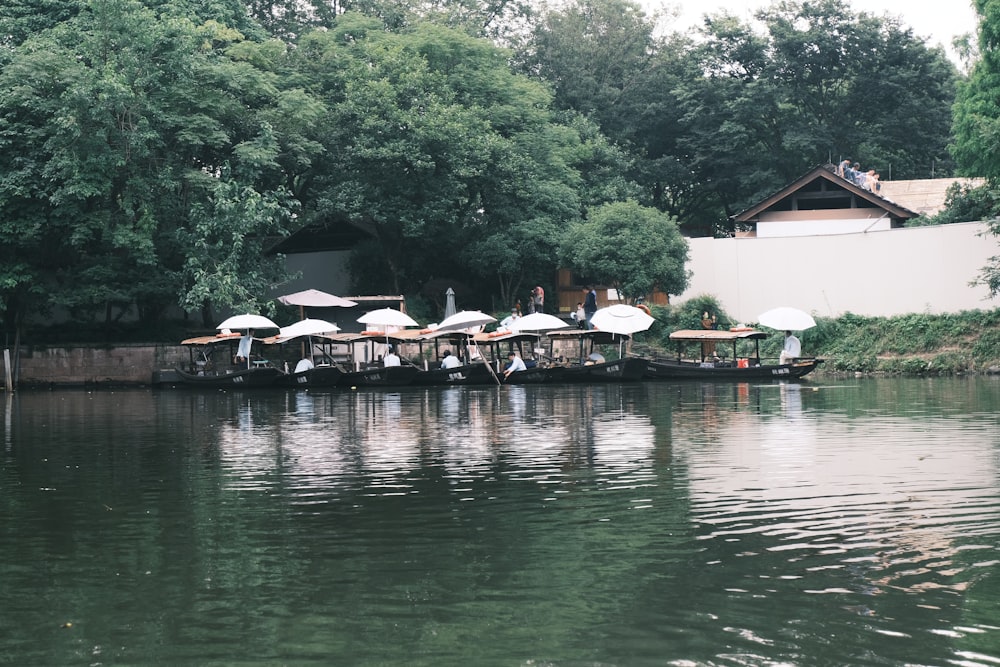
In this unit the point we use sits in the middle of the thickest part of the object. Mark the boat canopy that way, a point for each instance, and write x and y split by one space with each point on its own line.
717 335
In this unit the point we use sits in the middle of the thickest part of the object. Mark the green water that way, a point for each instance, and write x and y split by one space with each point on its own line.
828 523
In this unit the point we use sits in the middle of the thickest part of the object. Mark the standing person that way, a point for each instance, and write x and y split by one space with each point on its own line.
538 299
506 322
791 350
515 364
243 351
590 304
708 347
579 316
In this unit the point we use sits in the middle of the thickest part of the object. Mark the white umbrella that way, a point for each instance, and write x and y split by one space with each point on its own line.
465 319
537 322
621 319
388 317
308 327
247 321
316 299
787 319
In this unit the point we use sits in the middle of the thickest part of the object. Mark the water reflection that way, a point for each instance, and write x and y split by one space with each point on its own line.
841 523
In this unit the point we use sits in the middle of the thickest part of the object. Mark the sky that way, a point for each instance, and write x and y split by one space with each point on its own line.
937 20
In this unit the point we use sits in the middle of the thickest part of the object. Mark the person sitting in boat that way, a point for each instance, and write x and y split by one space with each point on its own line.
390 358
515 365
243 351
792 349
594 358
305 363
449 360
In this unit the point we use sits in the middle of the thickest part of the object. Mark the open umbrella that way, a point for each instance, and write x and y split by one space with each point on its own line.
538 322
787 319
465 319
247 321
316 299
388 317
621 319
308 327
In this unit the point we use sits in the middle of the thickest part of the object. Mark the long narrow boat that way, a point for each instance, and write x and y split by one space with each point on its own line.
590 366
472 368
729 368
207 370
366 370
500 343
322 375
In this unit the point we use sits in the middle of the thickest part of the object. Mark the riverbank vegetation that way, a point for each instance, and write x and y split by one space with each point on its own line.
916 344
153 152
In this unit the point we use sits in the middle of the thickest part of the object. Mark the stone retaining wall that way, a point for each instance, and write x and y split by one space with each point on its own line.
84 365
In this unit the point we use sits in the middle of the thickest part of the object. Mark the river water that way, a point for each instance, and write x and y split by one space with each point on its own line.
832 522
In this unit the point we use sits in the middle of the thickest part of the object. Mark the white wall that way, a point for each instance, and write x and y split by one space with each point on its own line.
890 272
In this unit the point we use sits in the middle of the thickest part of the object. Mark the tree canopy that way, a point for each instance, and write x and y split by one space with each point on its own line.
154 150
635 249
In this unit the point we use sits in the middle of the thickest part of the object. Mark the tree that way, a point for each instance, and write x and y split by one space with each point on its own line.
117 126
977 109
822 83
446 157
633 248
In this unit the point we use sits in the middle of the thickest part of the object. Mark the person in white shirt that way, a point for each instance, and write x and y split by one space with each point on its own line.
516 364
390 358
243 351
449 360
304 364
792 349
509 320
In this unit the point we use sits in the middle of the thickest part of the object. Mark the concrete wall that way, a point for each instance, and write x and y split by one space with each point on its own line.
879 273
86 365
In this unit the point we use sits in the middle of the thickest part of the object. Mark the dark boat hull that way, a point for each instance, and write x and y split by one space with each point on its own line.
535 375
237 379
393 376
466 374
623 370
689 370
319 376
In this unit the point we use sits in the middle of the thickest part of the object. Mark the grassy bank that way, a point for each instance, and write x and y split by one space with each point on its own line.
917 344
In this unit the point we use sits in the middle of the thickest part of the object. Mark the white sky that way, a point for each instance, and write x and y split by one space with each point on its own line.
937 20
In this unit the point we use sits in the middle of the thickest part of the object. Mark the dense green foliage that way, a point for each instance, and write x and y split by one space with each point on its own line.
912 344
632 248
152 151
977 130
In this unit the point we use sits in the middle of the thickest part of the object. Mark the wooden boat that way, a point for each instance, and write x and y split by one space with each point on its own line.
473 369
590 365
365 369
242 378
211 365
322 375
499 343
729 368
